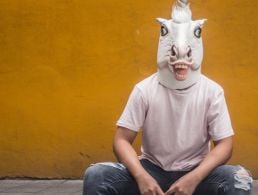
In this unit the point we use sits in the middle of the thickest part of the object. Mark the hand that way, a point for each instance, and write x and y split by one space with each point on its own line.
184 186
149 186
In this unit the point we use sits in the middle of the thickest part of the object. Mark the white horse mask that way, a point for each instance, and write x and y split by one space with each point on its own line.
180 50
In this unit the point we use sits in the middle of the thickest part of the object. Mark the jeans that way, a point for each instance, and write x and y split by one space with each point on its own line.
113 179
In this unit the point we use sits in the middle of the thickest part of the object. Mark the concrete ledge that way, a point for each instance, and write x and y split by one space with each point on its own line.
71 187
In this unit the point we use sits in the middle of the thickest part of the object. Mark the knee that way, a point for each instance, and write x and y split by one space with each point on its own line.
91 170
235 178
93 173
93 177
242 179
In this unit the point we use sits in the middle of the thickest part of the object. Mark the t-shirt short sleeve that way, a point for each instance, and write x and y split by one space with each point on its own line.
219 123
133 116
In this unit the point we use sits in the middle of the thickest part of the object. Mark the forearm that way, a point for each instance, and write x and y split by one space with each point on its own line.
122 146
219 155
126 154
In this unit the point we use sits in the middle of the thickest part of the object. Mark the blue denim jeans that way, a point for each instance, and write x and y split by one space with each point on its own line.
114 178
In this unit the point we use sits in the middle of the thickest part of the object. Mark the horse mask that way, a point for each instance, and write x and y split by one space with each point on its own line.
180 49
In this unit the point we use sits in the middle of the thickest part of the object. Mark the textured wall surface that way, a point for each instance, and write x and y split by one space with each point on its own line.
67 68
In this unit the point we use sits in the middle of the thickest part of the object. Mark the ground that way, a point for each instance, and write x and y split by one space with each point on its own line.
55 187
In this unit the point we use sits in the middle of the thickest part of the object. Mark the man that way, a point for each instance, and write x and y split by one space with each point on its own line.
179 111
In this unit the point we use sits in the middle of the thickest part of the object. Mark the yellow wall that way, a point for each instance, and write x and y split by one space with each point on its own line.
67 67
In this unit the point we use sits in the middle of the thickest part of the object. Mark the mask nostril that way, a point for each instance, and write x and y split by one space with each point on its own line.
189 53
173 50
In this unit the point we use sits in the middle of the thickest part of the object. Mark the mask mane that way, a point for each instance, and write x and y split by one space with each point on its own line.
181 12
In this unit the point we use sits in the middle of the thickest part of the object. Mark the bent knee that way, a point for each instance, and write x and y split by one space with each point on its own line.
93 176
99 174
242 179
94 171
236 177
98 171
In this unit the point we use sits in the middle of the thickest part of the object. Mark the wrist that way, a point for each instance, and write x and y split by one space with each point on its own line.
197 175
141 176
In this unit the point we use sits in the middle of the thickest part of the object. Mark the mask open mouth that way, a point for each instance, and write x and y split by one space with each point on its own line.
180 67
180 71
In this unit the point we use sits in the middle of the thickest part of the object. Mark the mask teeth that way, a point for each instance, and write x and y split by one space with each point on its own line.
181 66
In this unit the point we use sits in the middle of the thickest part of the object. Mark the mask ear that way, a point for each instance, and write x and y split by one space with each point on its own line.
163 29
161 20
201 22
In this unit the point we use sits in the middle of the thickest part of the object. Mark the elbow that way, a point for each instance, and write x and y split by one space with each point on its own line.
117 146
114 146
230 154
225 148
230 147
230 151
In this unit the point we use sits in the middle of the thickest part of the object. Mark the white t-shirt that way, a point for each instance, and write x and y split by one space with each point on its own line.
177 125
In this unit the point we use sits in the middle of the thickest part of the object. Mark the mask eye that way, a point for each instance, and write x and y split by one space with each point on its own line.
198 32
163 30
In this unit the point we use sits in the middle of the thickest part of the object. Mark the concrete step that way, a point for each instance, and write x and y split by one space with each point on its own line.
55 187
